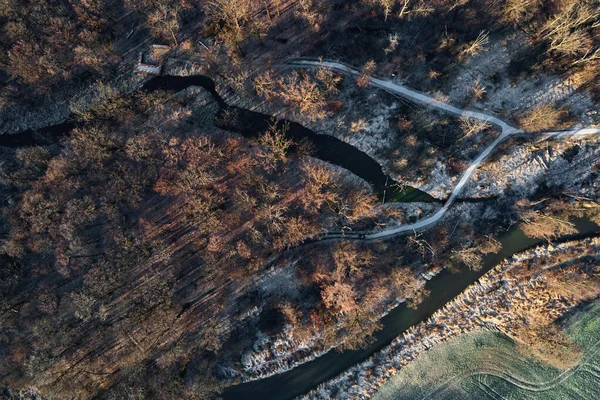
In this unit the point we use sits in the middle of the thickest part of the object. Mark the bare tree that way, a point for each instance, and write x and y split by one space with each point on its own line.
478 89
164 21
542 223
235 13
469 256
339 297
329 79
422 245
350 262
320 186
304 95
472 126
307 10
394 41
359 125
542 118
264 84
275 145
590 55
418 297
406 8
568 31
518 11
364 78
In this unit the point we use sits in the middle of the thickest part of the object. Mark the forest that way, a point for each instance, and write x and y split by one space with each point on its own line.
143 243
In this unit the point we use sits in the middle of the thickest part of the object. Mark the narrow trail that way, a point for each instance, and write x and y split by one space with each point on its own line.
249 389
396 89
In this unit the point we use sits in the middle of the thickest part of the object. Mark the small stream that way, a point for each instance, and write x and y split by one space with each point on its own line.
250 124
327 148
444 287
38 137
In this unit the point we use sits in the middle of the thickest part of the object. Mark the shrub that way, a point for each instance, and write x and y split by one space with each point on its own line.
542 118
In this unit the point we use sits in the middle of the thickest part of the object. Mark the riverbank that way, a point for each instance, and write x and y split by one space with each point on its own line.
443 287
175 84
274 355
491 303
427 221
478 365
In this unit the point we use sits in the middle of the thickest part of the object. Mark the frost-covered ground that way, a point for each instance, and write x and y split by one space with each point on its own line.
566 163
271 355
511 95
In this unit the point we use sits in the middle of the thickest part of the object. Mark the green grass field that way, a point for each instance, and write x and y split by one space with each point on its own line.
486 365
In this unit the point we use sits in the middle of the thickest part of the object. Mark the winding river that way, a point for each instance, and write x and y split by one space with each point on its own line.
444 286
327 148
250 124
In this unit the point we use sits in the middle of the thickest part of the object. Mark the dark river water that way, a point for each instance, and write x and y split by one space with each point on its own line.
251 124
327 148
444 287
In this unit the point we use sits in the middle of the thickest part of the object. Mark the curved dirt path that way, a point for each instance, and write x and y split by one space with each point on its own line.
394 88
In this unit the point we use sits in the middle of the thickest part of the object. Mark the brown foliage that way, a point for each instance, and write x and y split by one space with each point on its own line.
339 297
309 12
518 12
546 223
275 146
123 210
549 343
303 94
235 21
321 185
234 13
329 79
472 255
364 78
264 85
418 297
350 261
555 284
164 22
568 32
542 118
47 42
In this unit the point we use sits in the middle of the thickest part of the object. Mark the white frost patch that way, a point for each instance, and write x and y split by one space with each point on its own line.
272 355
375 136
503 95
439 184
280 282
523 169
